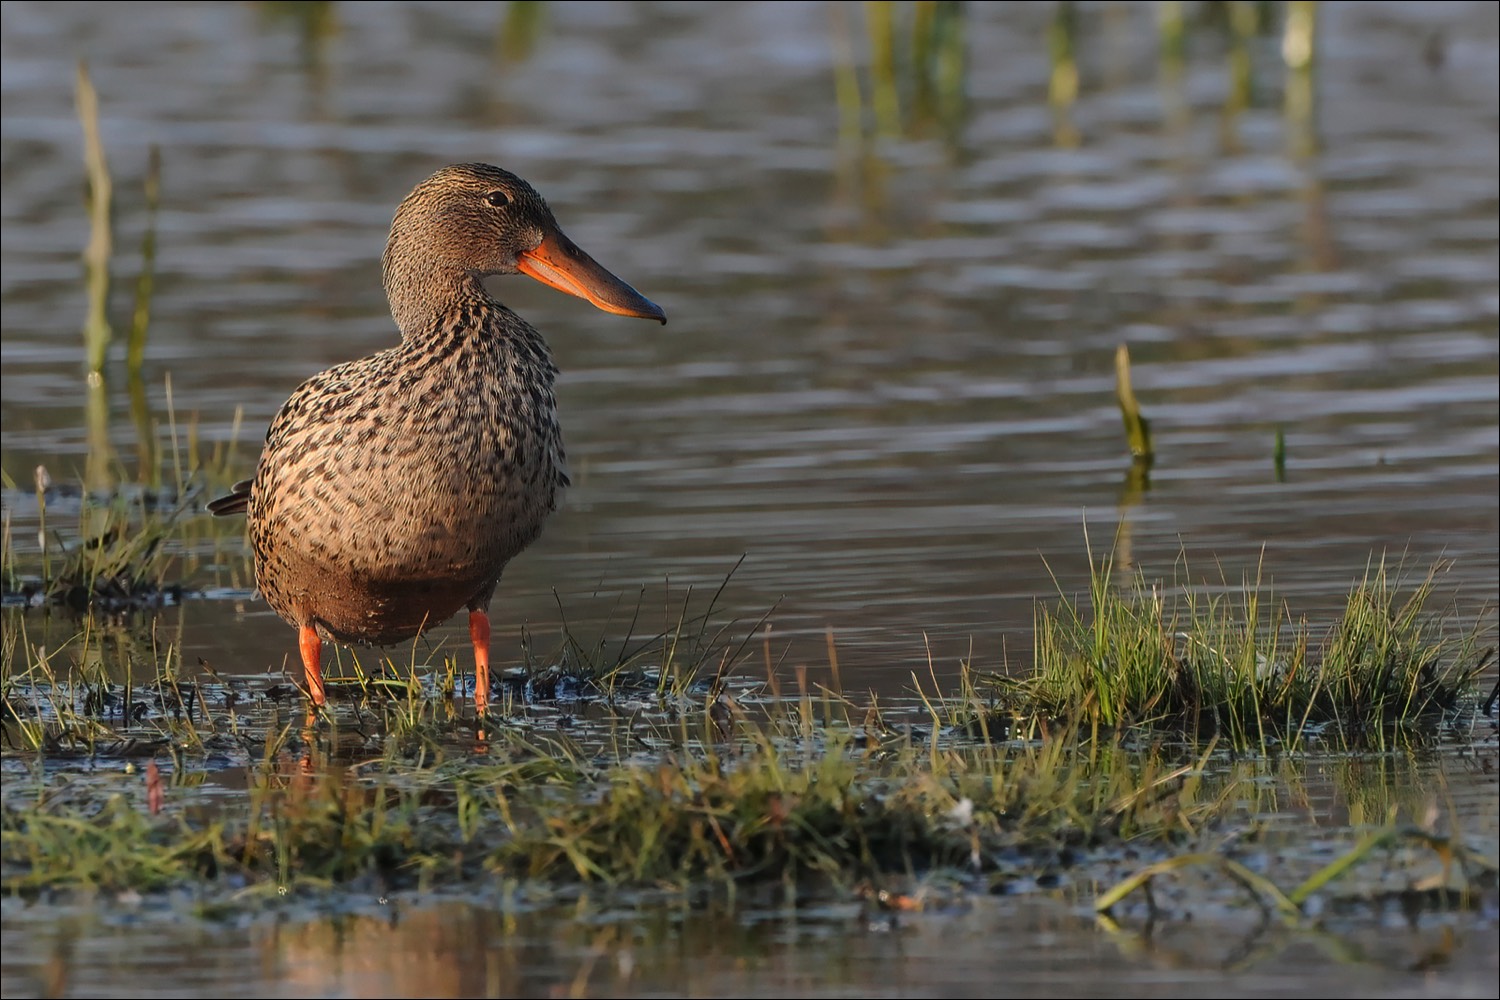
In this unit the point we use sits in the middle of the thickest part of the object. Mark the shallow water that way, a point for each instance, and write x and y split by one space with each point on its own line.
1026 936
987 947
887 379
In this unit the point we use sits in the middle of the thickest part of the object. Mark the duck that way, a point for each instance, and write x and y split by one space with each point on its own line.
393 490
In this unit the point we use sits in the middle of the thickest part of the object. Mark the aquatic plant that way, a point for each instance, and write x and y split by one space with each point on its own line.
730 796
1237 664
97 331
805 796
1137 427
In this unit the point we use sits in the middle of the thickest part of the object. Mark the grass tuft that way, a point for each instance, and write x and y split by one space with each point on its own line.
121 560
1236 664
774 803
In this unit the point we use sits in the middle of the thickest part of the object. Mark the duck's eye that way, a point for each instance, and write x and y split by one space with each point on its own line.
497 199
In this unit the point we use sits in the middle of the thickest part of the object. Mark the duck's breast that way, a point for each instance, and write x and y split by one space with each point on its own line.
384 473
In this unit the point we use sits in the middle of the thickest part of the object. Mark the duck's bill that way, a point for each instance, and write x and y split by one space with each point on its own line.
558 262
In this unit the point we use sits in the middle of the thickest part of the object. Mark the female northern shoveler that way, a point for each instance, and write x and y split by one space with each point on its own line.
393 490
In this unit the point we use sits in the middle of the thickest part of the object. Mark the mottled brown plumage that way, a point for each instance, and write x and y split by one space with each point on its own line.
393 490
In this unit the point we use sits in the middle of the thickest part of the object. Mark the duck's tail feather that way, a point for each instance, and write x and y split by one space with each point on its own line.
235 502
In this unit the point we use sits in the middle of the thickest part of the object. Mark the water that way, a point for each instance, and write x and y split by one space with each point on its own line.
887 378
991 947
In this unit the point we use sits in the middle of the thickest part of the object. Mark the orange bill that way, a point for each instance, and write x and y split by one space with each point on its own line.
558 262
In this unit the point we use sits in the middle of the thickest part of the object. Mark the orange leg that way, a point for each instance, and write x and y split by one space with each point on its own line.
479 633
312 653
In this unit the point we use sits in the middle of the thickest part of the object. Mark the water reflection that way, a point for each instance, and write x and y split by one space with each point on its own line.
505 946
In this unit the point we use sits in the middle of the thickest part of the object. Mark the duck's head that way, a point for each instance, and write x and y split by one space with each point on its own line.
472 218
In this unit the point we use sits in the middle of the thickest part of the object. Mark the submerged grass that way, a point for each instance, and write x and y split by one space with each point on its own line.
741 802
731 798
1475 871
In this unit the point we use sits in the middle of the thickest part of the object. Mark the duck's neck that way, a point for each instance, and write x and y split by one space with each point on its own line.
423 294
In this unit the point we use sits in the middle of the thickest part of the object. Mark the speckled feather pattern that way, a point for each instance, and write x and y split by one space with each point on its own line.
394 489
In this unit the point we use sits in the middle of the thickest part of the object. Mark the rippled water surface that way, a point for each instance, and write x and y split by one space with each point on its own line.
888 375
